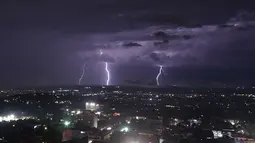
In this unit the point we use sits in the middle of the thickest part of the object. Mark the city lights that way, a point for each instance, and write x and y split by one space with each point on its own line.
78 112
66 123
8 118
217 134
92 106
125 129
98 113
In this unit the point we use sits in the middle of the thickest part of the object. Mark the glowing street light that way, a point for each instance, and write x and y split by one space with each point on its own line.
66 123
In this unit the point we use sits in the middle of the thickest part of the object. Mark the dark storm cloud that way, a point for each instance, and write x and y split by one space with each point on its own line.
159 18
161 35
132 44
201 48
154 57
238 53
161 42
46 42
165 37
159 59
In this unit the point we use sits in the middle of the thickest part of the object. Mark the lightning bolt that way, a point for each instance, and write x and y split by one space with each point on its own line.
83 71
159 73
106 69
108 73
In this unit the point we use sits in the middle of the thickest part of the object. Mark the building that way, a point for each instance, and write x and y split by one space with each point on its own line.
74 136
90 119
91 106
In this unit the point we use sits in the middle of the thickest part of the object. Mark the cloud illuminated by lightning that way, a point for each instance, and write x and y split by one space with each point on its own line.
159 73
108 73
101 52
83 71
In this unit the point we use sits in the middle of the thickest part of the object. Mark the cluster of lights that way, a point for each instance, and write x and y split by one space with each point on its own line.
8 118
217 134
125 129
233 122
140 118
12 117
77 112
91 104
45 127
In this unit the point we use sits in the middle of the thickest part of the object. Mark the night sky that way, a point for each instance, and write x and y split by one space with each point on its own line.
198 42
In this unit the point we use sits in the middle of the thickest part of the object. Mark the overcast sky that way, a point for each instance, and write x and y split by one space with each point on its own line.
197 42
